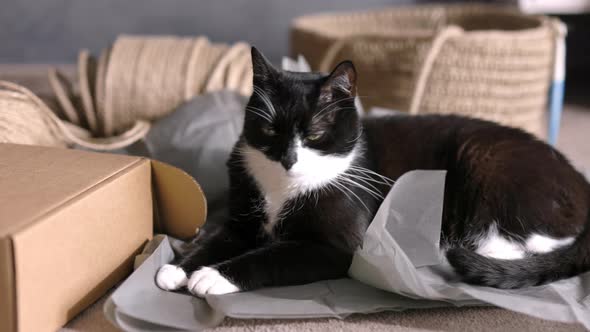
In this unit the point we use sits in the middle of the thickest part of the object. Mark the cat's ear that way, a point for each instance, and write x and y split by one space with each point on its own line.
263 69
341 83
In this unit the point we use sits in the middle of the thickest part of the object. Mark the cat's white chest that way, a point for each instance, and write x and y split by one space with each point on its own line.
274 203
273 182
312 171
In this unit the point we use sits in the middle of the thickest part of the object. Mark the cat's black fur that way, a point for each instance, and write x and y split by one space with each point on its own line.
494 174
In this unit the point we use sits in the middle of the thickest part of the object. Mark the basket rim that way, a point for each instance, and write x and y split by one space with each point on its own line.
311 24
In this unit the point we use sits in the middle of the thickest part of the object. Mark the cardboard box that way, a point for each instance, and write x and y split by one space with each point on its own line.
71 223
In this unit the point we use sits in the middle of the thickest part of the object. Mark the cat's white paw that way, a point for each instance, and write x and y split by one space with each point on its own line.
207 280
171 277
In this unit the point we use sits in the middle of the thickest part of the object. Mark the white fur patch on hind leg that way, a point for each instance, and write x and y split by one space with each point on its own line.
496 246
171 277
208 280
542 244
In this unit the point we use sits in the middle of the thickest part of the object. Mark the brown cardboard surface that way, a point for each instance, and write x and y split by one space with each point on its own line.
36 180
181 203
73 257
71 223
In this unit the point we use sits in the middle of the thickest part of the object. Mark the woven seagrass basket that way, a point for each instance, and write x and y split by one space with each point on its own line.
482 61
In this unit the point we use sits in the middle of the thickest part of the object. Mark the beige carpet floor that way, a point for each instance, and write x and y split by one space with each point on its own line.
574 142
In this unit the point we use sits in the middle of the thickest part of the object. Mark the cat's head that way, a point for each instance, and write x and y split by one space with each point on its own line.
302 121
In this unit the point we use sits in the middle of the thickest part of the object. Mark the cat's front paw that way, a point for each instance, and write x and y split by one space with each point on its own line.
171 277
208 280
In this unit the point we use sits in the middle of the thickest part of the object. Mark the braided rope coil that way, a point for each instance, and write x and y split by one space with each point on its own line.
137 80
146 78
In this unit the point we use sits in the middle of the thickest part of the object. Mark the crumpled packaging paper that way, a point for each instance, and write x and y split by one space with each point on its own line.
398 267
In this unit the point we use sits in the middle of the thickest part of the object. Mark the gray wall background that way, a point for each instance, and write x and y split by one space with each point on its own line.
53 31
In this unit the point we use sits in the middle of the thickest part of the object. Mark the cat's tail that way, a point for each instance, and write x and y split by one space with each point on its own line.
535 270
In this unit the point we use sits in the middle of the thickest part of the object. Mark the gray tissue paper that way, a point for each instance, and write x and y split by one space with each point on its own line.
398 267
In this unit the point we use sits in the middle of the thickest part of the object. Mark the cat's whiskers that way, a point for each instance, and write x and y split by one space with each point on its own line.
367 171
373 193
343 186
363 180
318 114
357 137
255 108
372 179
265 99
259 112
338 187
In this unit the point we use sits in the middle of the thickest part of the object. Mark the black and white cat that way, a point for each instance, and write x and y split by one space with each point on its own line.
307 176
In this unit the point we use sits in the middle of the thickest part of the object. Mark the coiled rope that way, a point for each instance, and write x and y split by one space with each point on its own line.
137 80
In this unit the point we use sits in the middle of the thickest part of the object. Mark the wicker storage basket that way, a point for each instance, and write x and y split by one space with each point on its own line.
483 61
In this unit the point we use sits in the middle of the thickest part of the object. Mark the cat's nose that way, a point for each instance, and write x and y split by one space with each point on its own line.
288 161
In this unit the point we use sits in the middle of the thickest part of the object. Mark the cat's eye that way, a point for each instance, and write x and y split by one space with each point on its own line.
313 137
268 131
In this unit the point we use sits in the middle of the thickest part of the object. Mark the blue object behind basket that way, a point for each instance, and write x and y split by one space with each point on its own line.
557 86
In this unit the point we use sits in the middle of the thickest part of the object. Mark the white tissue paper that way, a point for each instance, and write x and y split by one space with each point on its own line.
398 267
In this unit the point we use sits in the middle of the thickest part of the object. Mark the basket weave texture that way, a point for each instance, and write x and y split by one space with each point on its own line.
482 61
